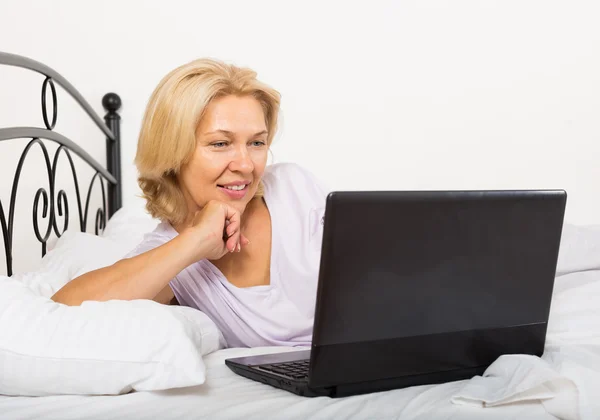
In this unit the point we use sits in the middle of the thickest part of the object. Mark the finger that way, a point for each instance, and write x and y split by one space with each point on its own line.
232 219
230 229
237 247
231 244
243 240
231 232
233 229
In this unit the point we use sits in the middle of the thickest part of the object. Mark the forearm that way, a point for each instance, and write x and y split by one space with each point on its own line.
140 277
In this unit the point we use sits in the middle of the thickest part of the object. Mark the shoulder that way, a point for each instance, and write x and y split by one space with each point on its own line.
298 199
295 193
286 169
293 178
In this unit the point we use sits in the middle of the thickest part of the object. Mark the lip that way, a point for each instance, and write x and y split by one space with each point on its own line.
234 195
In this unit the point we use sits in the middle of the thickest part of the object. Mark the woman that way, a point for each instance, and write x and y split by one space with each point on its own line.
239 240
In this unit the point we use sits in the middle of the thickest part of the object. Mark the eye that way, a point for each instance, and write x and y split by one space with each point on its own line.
258 143
219 144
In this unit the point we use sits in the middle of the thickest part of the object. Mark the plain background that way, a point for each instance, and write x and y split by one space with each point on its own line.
375 95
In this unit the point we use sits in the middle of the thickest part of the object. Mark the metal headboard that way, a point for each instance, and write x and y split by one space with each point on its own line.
54 201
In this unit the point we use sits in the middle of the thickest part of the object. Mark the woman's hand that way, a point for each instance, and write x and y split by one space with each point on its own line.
214 231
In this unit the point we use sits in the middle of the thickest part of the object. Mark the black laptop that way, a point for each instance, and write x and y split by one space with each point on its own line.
421 288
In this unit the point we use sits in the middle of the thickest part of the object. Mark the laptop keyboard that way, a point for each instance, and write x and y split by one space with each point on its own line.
297 369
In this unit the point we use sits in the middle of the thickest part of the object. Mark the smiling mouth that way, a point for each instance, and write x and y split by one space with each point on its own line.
234 187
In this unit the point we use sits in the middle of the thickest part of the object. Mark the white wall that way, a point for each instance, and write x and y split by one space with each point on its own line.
376 95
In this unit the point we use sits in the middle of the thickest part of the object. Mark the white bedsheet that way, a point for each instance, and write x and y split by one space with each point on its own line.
572 348
226 395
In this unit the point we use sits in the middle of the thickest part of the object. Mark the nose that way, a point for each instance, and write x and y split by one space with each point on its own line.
241 162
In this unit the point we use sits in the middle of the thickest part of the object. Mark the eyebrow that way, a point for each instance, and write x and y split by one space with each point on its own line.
230 134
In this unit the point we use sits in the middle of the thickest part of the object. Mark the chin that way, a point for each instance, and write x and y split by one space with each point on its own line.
241 203
240 207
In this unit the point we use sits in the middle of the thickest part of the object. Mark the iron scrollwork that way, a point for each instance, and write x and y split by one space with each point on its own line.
49 126
53 204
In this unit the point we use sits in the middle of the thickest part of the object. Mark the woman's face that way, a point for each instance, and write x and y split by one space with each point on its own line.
230 156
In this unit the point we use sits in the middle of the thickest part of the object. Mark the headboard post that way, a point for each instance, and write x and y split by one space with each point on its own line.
112 103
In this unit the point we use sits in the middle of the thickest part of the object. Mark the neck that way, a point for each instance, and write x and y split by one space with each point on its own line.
251 208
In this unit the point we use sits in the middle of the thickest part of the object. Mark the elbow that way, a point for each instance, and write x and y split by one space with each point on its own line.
65 299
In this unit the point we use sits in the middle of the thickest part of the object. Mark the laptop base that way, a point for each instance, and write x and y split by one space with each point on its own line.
302 388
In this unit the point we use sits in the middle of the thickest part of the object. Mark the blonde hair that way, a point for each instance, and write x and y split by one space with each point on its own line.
168 135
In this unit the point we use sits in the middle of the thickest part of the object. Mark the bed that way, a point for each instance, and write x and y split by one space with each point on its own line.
564 383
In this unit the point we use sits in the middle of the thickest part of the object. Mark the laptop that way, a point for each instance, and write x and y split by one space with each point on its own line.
422 287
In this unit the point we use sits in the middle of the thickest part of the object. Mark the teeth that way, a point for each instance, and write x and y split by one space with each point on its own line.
236 187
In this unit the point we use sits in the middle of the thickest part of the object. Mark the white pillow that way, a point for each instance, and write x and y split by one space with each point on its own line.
579 249
99 347
129 225
76 253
